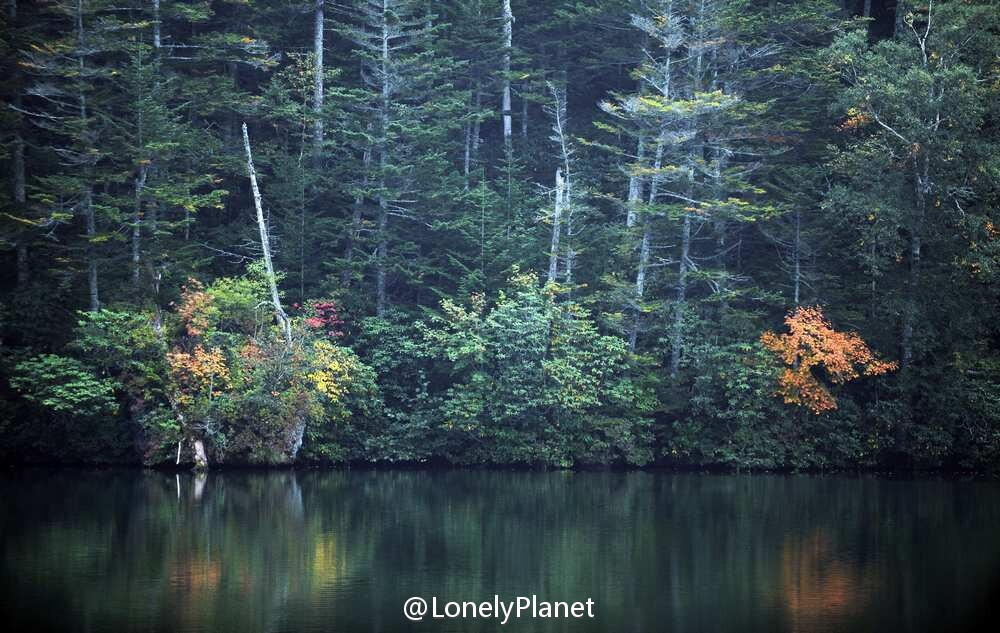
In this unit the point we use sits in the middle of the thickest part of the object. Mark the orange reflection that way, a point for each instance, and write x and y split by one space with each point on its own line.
819 586
195 574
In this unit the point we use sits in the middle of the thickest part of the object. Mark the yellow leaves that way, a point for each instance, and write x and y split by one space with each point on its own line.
333 368
812 342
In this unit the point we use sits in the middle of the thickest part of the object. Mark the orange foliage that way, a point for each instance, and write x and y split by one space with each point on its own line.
193 309
201 372
812 342
855 119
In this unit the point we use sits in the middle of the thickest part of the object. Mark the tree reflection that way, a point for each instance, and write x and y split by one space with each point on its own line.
312 551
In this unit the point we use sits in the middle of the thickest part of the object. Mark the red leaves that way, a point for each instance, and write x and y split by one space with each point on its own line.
323 316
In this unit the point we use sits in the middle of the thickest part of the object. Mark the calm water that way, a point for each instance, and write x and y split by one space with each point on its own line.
341 551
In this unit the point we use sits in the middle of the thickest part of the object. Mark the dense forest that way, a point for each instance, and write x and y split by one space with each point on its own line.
750 233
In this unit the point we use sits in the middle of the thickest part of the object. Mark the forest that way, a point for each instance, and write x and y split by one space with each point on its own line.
756 234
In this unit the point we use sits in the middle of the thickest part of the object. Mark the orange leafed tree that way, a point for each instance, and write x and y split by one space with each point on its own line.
811 342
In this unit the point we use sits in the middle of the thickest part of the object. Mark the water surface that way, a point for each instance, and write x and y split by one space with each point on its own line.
341 551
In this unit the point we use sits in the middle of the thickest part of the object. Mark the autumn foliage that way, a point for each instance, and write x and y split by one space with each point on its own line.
323 317
193 309
200 373
812 343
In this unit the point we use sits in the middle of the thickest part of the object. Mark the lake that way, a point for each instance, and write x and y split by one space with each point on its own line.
131 550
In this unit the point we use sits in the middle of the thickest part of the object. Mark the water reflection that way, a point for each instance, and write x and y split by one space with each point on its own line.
821 585
320 551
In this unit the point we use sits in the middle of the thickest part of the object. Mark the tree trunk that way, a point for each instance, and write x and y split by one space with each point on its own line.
570 253
635 184
140 184
91 227
557 209
921 175
644 248
467 160
157 42
200 457
640 283
265 243
472 134
382 249
87 195
318 79
508 39
677 338
476 125
382 253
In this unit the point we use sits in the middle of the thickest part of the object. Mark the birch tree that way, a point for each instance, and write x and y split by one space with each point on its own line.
318 70
265 244
508 44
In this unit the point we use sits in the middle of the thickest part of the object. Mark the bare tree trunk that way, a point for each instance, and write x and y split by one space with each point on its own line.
140 184
200 457
318 79
866 11
677 338
508 38
382 253
635 184
382 248
265 243
472 134
921 189
476 124
91 227
87 195
556 226
157 41
570 252
644 248
564 212
640 283
467 160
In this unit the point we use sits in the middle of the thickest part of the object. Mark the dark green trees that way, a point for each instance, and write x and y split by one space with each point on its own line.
555 231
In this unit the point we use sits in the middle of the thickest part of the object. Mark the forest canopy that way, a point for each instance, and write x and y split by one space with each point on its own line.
681 232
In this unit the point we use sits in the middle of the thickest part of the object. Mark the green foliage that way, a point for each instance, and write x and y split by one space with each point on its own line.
734 418
529 379
64 386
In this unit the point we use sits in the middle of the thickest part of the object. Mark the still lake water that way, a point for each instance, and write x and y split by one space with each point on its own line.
342 550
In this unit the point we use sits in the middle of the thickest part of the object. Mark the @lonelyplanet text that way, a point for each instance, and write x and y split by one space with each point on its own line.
417 608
